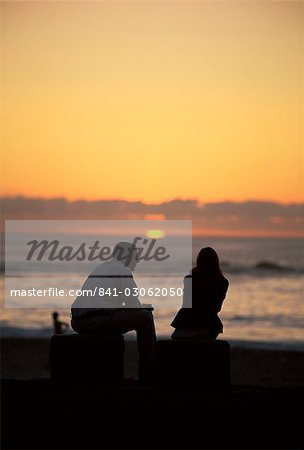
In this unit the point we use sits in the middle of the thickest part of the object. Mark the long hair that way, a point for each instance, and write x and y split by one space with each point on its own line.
208 263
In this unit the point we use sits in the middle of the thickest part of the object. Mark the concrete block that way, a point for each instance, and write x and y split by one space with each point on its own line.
198 363
87 357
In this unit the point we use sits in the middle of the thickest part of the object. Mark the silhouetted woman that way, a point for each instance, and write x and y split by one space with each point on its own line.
208 291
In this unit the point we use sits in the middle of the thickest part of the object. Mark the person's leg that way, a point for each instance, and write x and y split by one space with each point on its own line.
91 325
146 339
122 321
142 322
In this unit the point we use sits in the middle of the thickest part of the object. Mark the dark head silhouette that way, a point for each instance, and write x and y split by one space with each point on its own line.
126 253
208 262
55 315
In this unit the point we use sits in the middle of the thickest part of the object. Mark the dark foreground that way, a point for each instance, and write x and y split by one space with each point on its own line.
40 414
262 410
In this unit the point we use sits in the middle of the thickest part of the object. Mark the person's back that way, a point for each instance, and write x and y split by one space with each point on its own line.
204 292
105 289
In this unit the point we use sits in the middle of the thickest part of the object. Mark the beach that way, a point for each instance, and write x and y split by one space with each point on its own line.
27 359
258 411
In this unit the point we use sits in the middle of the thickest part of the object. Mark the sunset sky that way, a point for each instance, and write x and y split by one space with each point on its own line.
153 100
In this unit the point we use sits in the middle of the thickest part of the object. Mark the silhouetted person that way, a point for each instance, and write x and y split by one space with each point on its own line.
58 325
208 291
120 311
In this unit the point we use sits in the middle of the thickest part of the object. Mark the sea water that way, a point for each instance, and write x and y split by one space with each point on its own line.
264 303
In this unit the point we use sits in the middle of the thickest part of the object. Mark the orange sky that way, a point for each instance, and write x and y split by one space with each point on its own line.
152 101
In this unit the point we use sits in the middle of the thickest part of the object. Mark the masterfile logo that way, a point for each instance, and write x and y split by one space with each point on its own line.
47 263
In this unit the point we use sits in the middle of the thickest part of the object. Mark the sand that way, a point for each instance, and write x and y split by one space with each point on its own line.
27 358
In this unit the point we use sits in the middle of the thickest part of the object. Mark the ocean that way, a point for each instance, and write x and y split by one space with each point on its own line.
264 305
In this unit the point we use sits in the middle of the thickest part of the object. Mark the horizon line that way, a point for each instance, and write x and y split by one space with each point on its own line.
172 199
